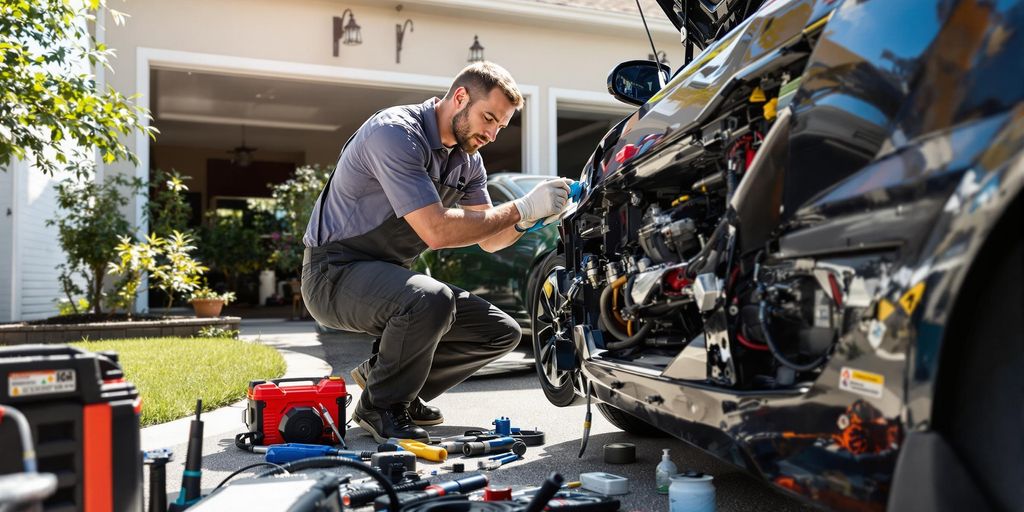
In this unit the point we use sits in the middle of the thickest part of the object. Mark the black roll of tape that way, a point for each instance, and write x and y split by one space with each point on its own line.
620 453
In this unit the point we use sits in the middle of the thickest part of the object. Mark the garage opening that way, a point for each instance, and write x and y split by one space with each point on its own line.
578 133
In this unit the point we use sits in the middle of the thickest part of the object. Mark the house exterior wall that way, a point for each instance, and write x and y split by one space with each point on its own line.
6 242
557 53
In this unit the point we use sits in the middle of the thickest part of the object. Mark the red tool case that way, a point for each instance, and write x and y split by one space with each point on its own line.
291 413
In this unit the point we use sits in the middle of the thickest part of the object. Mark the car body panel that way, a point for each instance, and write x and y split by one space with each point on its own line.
905 151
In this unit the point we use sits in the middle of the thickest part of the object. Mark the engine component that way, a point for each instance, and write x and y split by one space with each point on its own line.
612 271
645 284
592 271
664 239
707 289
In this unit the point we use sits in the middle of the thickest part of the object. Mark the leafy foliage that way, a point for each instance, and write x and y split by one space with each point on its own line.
133 260
293 203
229 245
168 261
89 225
168 210
207 293
50 109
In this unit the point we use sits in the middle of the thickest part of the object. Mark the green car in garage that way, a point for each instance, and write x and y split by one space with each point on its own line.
504 278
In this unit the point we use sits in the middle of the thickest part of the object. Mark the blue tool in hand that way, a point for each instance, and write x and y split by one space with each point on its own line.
575 194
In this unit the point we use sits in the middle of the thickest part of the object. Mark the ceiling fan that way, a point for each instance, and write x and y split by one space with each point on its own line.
241 156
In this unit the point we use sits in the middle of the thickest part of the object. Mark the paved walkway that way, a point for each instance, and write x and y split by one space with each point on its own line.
507 388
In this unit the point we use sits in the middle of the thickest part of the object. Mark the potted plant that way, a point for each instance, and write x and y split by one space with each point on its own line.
208 303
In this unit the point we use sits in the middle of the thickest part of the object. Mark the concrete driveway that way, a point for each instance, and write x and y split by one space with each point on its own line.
509 390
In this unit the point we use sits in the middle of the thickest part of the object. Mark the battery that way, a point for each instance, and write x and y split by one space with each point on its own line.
84 420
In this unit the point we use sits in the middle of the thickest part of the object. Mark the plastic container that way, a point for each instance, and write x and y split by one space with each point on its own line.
664 472
691 492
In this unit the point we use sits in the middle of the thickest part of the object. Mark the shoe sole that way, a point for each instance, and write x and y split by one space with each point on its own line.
377 437
358 379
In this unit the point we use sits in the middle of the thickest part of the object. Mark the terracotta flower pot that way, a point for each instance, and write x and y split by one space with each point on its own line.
207 308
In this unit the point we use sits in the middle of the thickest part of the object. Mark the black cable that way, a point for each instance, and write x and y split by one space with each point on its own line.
626 341
327 462
250 466
763 318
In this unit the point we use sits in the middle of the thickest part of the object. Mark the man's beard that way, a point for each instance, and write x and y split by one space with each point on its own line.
463 136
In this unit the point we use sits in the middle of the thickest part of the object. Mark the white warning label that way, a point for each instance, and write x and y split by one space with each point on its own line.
40 382
861 382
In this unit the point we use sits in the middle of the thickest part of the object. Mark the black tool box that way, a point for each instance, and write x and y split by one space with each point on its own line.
85 423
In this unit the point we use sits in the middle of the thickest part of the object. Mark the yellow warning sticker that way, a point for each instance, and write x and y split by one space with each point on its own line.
861 382
912 298
885 308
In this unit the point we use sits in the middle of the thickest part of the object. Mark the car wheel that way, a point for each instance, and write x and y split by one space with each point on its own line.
556 384
629 423
980 392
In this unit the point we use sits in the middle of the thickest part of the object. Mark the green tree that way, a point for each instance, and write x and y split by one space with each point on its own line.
50 108
230 246
89 226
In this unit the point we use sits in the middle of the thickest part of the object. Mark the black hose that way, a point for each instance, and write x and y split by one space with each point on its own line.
626 341
763 317
250 466
327 462
696 264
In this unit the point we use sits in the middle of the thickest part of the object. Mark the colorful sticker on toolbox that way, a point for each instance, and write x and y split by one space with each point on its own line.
40 382
861 382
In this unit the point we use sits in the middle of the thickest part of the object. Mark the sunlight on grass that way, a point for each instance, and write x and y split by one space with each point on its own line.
171 373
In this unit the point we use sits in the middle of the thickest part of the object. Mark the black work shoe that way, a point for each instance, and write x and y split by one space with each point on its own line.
421 413
386 423
425 415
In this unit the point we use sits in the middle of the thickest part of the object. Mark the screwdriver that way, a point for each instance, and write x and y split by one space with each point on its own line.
422 450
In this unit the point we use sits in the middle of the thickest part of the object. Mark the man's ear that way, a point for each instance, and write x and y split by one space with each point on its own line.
461 97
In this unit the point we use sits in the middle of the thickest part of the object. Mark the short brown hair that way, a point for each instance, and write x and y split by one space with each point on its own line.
480 78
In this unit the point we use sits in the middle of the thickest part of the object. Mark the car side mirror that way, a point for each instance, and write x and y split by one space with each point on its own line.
636 81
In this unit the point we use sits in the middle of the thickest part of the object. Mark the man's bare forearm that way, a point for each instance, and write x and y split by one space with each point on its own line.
501 240
460 227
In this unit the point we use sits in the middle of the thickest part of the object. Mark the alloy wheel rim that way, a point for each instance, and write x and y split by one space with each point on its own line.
544 338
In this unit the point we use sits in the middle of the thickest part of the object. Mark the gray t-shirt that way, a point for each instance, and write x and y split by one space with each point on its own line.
390 167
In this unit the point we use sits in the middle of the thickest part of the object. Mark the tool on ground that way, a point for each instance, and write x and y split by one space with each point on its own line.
290 452
462 485
501 444
503 428
586 423
574 501
384 460
77 402
290 410
422 450
605 483
620 453
334 428
454 444
157 461
545 493
359 497
497 461
575 194
191 478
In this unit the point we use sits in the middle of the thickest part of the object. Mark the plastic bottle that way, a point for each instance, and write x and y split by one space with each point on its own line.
665 470
691 492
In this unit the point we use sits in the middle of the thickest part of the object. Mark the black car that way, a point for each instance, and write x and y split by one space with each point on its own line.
804 254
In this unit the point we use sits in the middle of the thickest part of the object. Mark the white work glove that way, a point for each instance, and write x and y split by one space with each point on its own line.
548 198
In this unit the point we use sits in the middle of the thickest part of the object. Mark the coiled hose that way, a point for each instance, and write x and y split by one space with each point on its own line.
611 323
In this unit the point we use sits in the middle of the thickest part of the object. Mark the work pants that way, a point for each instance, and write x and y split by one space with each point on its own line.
432 335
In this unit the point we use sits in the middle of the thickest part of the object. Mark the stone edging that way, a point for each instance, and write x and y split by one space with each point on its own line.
17 334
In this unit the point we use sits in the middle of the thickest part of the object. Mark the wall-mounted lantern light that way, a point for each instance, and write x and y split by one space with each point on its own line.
400 35
348 33
476 52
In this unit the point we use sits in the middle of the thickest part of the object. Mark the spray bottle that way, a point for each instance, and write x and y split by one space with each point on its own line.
665 470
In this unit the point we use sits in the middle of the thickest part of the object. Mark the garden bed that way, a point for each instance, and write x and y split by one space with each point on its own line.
33 332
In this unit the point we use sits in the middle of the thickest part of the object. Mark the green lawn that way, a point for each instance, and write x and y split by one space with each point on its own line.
171 373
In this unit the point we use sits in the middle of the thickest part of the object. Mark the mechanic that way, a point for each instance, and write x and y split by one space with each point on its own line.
392 195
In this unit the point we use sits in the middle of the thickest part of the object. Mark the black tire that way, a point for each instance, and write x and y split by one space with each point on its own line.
557 385
629 423
981 388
